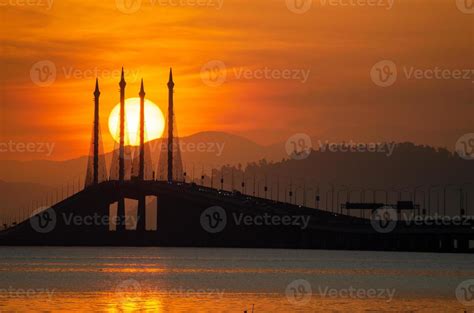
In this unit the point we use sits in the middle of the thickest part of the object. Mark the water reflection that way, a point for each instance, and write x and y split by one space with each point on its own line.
228 280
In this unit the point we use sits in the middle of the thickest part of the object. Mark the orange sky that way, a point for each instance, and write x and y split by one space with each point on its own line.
336 45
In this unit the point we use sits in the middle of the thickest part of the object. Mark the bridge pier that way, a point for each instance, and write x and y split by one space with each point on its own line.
446 244
141 214
121 225
462 244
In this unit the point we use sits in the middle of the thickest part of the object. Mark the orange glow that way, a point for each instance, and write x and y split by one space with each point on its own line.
336 45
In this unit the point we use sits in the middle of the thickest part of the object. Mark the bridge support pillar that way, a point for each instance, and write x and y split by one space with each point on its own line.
121 221
159 212
141 214
447 244
463 244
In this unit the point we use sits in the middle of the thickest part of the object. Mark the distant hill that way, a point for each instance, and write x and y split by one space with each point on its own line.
408 163
205 148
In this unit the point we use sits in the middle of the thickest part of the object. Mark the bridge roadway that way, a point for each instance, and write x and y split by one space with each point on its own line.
180 221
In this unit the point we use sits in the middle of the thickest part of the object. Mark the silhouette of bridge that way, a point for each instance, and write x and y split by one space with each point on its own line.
173 212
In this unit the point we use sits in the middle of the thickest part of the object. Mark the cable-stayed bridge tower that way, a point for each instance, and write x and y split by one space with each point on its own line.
170 165
136 163
96 168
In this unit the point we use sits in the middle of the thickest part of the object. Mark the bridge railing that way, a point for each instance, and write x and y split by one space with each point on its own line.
12 217
432 200
429 200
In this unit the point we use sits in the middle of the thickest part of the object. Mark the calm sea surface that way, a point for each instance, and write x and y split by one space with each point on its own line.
229 280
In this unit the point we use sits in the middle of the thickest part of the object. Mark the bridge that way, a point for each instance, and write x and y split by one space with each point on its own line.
173 212
179 216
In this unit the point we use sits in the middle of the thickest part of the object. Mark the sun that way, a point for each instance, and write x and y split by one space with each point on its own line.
154 121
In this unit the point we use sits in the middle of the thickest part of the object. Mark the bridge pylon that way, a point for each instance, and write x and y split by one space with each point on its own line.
96 171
